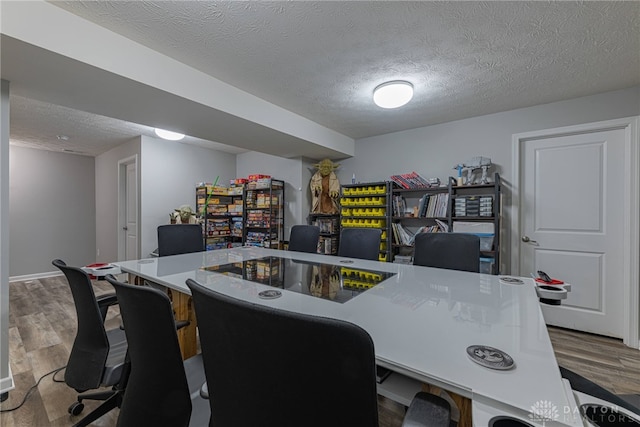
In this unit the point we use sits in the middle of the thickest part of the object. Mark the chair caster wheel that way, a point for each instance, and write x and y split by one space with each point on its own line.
76 408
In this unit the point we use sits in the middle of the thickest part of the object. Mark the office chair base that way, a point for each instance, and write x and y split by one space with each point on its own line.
112 399
76 408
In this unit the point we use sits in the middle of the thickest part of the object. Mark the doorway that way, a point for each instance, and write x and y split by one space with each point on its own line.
128 247
575 217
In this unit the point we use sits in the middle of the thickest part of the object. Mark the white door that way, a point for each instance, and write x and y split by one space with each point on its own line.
128 209
131 213
572 224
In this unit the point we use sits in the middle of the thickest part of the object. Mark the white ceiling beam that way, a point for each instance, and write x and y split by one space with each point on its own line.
52 55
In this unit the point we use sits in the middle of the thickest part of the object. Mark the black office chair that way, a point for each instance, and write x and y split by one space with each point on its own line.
98 356
363 243
162 389
176 239
583 385
454 251
304 238
269 367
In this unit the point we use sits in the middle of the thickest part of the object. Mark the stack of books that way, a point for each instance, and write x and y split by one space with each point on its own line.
410 180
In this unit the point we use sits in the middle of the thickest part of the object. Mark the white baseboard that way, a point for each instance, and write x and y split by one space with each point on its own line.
34 276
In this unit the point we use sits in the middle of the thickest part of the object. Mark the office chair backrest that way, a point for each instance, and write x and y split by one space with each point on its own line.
269 367
363 243
91 345
304 238
454 251
176 239
157 390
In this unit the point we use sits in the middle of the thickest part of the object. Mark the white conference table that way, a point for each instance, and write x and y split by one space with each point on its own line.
421 321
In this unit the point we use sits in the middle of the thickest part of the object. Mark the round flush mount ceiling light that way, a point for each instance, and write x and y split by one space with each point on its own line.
167 134
393 94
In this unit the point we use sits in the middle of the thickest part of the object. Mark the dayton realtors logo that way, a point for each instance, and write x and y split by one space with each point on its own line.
543 411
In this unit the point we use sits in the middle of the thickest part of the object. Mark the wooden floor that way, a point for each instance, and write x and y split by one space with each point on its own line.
42 328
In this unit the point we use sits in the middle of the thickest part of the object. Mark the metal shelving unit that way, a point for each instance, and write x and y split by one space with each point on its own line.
263 214
487 218
329 225
368 205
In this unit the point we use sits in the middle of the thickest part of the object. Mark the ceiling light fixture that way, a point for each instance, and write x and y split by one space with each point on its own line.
167 134
393 94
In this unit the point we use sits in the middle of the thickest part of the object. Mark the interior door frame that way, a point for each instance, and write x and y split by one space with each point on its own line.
631 186
122 194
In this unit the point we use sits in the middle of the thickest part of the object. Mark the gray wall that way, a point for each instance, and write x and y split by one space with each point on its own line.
6 382
433 151
170 171
167 174
51 210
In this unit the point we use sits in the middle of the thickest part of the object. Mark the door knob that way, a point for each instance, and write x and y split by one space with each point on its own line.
526 239
126 228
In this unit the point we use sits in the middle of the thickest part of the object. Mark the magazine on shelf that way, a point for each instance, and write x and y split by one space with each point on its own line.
410 180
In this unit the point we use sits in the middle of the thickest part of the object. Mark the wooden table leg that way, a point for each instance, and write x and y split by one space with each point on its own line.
463 403
183 308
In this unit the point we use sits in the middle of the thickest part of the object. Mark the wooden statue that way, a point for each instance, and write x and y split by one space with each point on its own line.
325 188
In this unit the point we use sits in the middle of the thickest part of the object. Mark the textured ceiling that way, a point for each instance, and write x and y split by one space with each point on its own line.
36 124
323 59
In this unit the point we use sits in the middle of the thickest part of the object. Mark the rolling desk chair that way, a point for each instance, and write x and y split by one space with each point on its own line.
362 243
454 251
162 389
270 367
98 356
176 239
304 238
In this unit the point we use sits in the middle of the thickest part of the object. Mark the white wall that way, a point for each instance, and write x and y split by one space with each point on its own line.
51 210
6 381
292 172
169 173
106 198
434 150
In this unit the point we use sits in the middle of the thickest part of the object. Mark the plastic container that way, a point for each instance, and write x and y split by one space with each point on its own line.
486 265
472 227
486 241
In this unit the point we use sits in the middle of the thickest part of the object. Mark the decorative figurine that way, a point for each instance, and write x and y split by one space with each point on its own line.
325 188
483 163
325 281
183 215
